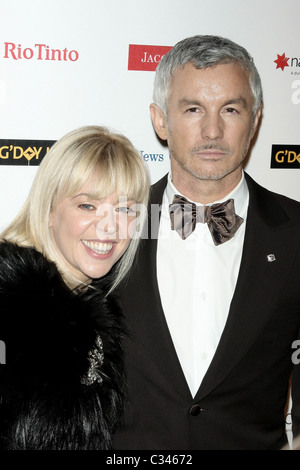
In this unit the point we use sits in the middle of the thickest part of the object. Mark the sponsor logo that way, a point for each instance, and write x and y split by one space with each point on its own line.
285 156
284 61
142 57
38 52
2 352
152 157
292 65
23 152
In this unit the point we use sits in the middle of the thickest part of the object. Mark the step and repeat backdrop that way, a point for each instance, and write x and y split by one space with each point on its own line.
68 63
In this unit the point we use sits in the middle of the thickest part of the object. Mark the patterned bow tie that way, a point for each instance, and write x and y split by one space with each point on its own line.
221 218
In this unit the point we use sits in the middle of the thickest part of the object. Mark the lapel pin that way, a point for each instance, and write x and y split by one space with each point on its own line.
271 258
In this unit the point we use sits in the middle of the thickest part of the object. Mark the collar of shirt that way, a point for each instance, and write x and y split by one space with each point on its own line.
240 195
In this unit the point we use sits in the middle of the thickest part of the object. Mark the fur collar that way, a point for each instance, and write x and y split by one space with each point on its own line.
48 331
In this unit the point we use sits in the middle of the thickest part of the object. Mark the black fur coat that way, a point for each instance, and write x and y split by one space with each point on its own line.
46 401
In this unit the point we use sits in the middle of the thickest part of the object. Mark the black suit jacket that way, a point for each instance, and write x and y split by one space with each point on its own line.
241 400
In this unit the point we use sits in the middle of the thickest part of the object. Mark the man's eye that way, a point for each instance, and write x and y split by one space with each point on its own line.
231 110
193 110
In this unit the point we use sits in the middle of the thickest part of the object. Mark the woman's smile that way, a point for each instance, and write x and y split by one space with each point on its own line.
99 247
91 234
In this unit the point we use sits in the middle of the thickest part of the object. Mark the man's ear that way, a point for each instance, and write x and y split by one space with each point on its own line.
256 120
158 121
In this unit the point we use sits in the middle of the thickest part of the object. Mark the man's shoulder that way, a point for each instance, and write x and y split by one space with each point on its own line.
272 201
157 189
161 183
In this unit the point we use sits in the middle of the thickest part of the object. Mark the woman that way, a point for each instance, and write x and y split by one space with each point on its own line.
74 240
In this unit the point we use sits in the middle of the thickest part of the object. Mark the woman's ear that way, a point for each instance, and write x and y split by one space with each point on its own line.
50 220
158 121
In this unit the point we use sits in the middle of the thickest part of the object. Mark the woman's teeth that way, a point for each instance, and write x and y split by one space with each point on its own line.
98 247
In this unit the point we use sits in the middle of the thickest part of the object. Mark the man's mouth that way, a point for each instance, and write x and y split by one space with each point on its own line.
211 151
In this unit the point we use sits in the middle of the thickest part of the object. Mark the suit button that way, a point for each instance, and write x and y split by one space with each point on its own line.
195 410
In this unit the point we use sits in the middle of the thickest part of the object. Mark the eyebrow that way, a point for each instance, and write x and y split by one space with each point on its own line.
241 101
188 102
92 198
87 195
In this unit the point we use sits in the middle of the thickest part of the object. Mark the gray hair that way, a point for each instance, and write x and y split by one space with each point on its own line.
203 52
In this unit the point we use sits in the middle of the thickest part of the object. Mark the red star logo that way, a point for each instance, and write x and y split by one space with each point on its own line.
281 61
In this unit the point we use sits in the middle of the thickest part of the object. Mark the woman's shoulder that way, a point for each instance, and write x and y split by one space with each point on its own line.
41 318
19 264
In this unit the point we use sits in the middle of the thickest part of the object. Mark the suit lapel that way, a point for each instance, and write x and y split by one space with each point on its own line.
256 290
159 345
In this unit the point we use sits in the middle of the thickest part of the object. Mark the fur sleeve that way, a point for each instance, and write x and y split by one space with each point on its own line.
49 331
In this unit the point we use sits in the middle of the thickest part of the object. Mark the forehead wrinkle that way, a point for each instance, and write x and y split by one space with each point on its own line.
206 85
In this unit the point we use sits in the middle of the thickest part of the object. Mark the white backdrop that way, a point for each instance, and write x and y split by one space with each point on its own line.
42 99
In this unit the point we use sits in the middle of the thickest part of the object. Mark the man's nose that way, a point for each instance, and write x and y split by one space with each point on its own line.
212 127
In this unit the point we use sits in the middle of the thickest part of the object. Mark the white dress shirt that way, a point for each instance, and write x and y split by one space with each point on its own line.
196 282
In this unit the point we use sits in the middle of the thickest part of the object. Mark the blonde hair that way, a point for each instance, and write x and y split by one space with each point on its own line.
88 152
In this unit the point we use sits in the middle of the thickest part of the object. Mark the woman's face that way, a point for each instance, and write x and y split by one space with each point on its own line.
91 235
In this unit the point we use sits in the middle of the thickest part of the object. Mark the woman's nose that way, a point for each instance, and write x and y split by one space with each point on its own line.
106 222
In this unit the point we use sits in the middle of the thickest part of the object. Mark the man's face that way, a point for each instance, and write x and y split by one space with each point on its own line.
209 122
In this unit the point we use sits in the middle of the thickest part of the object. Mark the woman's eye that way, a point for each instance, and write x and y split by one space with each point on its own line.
123 209
126 210
86 207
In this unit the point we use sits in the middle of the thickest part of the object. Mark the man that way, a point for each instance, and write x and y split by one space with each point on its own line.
212 303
